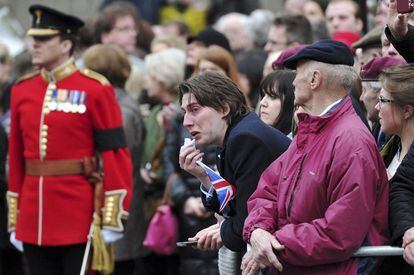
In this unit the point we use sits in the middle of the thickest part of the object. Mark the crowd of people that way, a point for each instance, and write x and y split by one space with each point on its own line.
282 141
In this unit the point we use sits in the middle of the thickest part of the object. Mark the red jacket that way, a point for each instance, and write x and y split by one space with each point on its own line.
326 196
57 210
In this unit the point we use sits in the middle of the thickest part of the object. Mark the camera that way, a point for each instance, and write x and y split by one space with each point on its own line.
405 6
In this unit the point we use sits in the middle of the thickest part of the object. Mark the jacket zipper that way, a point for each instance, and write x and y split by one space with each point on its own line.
296 183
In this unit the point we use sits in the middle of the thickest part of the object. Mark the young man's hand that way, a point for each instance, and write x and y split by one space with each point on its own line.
188 158
208 238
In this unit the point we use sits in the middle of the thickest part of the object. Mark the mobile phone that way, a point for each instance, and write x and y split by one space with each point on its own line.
404 6
187 244
279 249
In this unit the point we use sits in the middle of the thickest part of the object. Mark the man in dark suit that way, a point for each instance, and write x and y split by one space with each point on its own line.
215 112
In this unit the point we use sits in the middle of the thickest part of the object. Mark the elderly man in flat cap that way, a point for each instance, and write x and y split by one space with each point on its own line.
327 195
60 118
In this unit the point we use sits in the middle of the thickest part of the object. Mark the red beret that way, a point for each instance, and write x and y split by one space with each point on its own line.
371 70
291 51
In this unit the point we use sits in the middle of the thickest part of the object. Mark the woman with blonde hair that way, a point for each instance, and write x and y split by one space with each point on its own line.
164 72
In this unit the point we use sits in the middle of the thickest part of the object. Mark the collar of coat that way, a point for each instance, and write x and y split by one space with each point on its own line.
314 124
61 72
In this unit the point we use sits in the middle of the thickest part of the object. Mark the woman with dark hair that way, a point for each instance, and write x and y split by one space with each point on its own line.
250 66
277 104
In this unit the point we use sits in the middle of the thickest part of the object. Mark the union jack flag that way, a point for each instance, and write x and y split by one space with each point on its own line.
225 191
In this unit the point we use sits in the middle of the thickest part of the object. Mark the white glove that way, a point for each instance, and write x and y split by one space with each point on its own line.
111 236
16 243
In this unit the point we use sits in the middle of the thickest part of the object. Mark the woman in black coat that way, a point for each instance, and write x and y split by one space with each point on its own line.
401 211
401 216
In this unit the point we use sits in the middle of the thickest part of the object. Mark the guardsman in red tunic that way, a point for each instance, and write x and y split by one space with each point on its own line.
62 118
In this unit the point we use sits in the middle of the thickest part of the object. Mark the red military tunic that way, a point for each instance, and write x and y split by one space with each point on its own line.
58 210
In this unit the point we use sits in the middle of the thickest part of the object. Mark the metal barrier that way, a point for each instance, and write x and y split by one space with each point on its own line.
376 251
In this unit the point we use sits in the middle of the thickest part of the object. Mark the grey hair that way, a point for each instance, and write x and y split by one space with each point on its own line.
260 21
374 85
335 74
244 24
166 67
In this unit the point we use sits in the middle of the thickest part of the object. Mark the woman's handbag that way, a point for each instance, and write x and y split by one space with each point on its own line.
162 232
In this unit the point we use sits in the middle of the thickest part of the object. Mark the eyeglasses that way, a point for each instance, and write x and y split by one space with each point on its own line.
382 100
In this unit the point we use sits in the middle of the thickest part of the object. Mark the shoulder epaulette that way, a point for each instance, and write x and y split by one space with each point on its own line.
27 76
94 75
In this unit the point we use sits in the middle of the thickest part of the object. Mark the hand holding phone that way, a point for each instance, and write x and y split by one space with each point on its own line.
278 249
187 244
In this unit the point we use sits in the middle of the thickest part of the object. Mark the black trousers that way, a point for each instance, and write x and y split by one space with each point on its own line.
54 260
11 262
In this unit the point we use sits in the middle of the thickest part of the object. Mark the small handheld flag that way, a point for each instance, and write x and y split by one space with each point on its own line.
225 191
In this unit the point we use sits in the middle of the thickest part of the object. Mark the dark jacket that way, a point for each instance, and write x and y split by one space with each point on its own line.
405 46
3 189
390 149
380 137
401 212
401 215
249 147
359 109
130 246
184 186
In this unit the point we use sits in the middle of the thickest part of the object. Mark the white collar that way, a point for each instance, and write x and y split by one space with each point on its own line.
330 107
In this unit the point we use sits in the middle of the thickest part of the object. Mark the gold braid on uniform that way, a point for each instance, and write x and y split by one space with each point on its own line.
113 214
27 76
12 203
94 75
103 258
